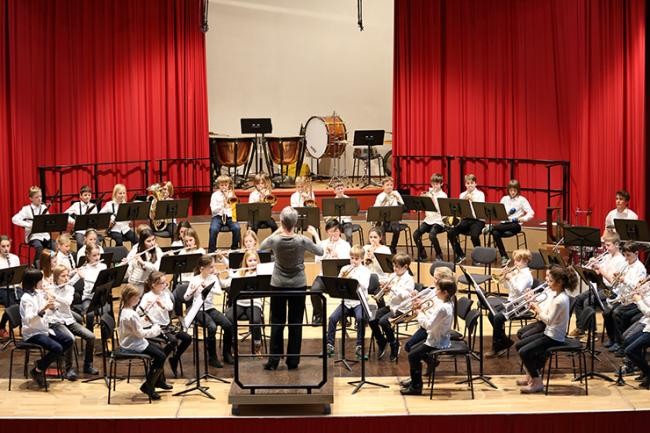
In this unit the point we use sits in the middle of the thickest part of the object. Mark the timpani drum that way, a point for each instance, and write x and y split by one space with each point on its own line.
325 136
284 150
224 150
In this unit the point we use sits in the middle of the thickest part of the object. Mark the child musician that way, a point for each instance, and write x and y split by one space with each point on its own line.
25 218
622 211
145 260
390 197
244 309
346 220
47 261
133 337
83 207
156 304
11 296
438 327
91 271
179 233
63 294
555 315
90 237
263 188
192 246
399 286
303 193
64 254
637 344
352 307
432 223
519 211
611 263
375 245
468 226
518 280
203 277
334 248
222 213
118 230
34 304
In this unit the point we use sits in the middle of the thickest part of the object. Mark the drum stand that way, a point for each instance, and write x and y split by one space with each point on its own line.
259 157
337 175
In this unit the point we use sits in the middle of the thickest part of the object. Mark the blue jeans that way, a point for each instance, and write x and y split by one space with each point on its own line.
215 227
634 346
336 317
419 336
54 345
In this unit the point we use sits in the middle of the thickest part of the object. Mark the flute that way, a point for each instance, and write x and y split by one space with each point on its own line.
127 261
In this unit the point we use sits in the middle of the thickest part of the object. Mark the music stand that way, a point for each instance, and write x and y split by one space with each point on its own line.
455 207
260 127
632 230
342 288
178 264
579 236
236 258
489 212
172 209
368 314
340 206
369 138
384 214
11 277
133 211
253 212
307 216
332 267
419 204
483 305
552 258
49 223
385 262
97 221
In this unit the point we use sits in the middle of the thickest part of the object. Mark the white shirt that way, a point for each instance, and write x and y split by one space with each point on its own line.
633 274
362 275
432 218
627 214
91 272
612 264
644 307
196 286
66 260
81 252
437 323
518 208
383 199
475 196
298 201
556 316
112 207
374 266
25 218
33 324
334 250
157 314
400 290
255 197
63 297
521 281
132 333
139 272
81 208
219 205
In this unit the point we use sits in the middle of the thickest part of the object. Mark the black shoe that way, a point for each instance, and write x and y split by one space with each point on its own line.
394 351
150 392
271 365
381 349
228 359
164 385
70 375
411 391
422 256
645 383
316 320
38 376
89 369
173 363
214 362
405 383
292 366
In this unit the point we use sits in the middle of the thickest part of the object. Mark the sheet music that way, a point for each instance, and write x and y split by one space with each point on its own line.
265 268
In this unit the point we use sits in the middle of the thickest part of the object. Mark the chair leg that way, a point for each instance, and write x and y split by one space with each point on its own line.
470 378
110 379
584 371
433 377
548 373
11 365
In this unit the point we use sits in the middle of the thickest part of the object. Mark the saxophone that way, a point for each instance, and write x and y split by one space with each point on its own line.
159 191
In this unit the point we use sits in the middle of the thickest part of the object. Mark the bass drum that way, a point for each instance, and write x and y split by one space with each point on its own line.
388 163
325 136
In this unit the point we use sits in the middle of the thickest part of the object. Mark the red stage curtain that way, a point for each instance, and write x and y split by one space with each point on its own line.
546 79
93 81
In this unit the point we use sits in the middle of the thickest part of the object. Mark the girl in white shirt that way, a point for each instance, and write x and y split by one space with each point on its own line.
90 237
390 197
8 260
119 231
90 272
375 245
133 338
145 260
263 188
555 314
34 304
179 234
203 277
192 245
519 211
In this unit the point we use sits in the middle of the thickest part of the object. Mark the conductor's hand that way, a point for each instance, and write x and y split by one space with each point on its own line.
312 231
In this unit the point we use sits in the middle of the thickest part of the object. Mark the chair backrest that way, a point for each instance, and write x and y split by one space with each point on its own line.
119 253
439 264
419 287
537 261
471 322
107 326
13 313
463 305
587 319
484 255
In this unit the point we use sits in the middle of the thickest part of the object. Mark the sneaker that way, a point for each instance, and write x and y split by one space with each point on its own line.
330 350
496 353
316 320
487 229
381 349
577 332
394 351
405 383
89 369
358 352
70 375
38 377
523 381
614 347
535 386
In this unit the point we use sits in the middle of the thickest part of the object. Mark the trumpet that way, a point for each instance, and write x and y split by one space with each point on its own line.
642 289
231 200
385 289
521 304
505 271
370 256
423 301
596 261
308 196
347 272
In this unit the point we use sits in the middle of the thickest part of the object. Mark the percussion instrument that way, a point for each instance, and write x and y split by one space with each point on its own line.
325 136
284 150
224 150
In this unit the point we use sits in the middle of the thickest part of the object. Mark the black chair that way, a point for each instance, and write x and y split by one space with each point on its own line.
537 263
119 253
439 264
361 156
117 355
15 322
458 348
463 307
481 256
356 228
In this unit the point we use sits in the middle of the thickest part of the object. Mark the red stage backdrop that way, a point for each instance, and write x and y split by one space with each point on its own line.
547 79
102 80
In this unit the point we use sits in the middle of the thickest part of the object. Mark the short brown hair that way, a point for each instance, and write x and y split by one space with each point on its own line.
401 259
514 184
470 177
84 189
436 178
522 254
387 179
448 286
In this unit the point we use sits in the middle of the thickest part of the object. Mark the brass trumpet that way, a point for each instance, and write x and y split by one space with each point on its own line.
370 256
308 200
385 289
596 261
423 301
521 304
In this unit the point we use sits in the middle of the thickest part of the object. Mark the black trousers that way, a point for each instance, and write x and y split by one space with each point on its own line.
417 354
532 351
433 230
504 230
252 314
212 319
295 307
466 226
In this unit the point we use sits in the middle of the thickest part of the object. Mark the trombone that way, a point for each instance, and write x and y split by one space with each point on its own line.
423 301
521 304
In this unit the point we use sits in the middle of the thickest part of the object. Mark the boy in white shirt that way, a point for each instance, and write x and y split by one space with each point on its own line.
621 212
82 207
222 214
390 197
25 219
468 226
432 223
303 196
9 297
346 220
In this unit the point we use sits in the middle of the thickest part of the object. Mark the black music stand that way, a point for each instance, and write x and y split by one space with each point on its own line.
369 139
340 206
385 262
11 277
419 204
384 214
307 216
632 230
238 288
341 288
236 258
368 315
332 267
97 221
253 212
172 209
197 363
260 127
455 207
50 223
178 264
552 258
483 305
581 236
133 211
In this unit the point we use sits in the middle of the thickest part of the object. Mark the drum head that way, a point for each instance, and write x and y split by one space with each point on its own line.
316 136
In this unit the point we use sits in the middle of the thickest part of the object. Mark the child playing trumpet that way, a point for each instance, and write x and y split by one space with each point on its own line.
222 213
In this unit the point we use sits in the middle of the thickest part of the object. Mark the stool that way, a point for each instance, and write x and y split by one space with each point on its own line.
409 237
361 155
